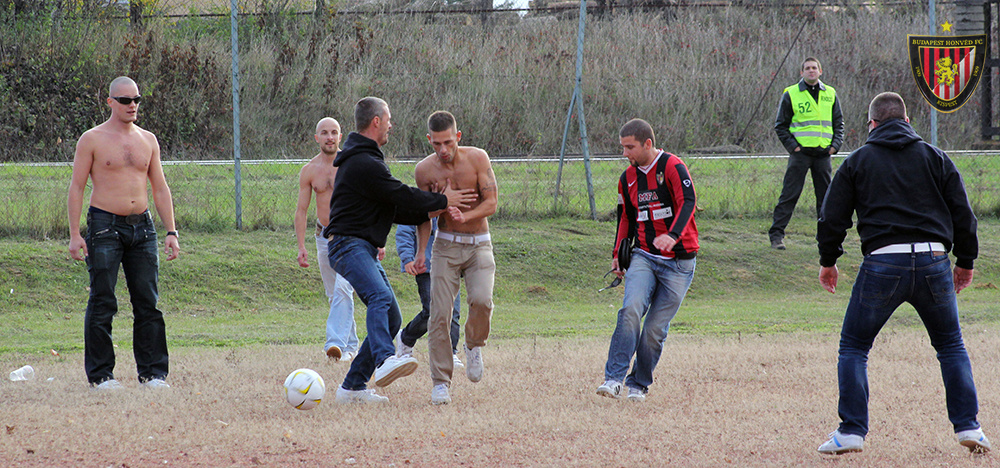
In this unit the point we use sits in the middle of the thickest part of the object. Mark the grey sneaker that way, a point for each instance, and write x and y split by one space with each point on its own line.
840 443
474 356
439 395
778 243
109 385
393 368
368 395
155 384
401 348
334 353
635 394
456 362
974 440
610 389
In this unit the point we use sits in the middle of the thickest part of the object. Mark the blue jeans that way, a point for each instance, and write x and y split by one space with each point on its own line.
884 282
418 326
654 288
356 259
112 241
341 331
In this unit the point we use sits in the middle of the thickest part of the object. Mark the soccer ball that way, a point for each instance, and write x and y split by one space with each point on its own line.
304 389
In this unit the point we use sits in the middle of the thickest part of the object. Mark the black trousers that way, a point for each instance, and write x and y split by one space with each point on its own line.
418 326
791 188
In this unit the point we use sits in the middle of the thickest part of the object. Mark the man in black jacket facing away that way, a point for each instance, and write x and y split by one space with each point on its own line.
912 209
366 201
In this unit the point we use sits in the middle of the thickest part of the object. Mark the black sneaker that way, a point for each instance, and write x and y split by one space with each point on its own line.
778 244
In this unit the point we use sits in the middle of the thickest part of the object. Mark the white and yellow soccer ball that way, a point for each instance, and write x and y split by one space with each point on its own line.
304 389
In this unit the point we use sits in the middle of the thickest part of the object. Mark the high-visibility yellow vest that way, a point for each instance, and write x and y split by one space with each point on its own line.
812 124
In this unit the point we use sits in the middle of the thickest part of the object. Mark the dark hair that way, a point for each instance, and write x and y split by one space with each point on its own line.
810 59
887 106
639 129
366 110
440 121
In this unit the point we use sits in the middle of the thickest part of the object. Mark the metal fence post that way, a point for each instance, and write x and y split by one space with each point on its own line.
578 100
236 112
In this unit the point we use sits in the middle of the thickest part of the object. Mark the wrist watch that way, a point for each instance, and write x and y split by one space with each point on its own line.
173 233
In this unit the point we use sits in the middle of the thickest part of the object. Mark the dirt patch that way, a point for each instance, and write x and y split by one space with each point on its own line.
763 400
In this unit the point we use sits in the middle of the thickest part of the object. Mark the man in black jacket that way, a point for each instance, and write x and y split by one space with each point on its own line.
366 201
912 209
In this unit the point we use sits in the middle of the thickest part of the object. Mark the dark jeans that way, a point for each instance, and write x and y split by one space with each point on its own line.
791 188
417 327
884 282
356 259
113 241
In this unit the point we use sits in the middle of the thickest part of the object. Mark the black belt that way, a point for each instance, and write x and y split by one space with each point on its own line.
132 219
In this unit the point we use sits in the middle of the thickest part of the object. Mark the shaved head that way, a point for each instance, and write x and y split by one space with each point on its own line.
118 83
326 120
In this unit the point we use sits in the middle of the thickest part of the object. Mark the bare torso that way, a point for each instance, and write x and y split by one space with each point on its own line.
319 174
471 169
120 169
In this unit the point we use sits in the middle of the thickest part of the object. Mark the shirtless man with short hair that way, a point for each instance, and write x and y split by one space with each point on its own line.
317 176
119 158
462 248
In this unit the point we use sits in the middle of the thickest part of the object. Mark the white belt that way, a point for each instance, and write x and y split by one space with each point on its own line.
910 248
463 238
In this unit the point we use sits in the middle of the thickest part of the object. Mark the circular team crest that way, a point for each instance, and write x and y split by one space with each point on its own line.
947 68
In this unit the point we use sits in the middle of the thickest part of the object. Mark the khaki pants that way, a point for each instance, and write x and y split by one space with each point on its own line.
449 262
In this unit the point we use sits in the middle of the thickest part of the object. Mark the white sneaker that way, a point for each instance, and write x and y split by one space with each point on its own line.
333 352
439 395
610 389
840 443
368 395
155 384
393 368
474 356
974 440
456 362
635 394
401 348
107 386
348 357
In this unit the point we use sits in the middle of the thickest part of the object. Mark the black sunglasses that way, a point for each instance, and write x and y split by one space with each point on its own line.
614 282
125 100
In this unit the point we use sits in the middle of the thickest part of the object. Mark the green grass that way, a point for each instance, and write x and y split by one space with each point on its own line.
244 288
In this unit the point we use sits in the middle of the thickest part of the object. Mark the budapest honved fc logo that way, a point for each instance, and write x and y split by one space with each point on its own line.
947 68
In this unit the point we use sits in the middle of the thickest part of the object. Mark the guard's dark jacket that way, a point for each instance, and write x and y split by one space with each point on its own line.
904 190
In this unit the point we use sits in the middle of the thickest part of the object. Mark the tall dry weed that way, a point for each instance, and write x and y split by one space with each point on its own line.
700 74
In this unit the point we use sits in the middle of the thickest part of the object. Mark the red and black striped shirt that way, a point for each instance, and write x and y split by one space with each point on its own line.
660 201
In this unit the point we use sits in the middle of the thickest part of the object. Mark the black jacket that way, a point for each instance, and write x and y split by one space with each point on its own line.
367 199
904 190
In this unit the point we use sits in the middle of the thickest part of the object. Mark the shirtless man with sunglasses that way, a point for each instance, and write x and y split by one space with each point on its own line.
119 159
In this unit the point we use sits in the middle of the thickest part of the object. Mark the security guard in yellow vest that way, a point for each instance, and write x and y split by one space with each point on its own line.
811 127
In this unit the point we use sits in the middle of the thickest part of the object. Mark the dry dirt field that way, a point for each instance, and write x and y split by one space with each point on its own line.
717 401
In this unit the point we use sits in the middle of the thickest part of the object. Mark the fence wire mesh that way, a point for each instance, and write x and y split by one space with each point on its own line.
32 196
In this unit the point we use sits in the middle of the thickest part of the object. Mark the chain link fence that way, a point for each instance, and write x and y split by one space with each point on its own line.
32 196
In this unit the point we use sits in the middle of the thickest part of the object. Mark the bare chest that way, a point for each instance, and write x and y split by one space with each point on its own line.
460 177
322 180
129 154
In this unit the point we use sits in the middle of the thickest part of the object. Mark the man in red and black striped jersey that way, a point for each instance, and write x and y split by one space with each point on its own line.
656 204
